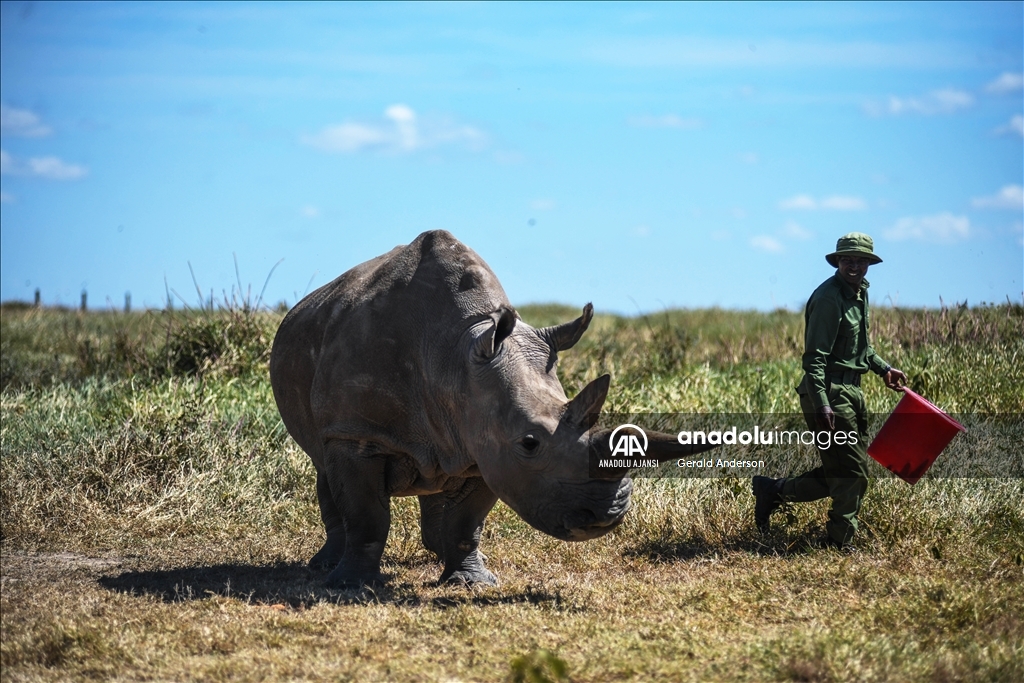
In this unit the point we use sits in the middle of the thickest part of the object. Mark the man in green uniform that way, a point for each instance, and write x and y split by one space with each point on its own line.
837 351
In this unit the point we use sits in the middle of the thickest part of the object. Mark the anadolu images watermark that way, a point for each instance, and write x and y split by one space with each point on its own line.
776 445
768 437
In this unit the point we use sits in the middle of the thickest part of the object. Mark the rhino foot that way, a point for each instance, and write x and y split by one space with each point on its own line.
468 570
469 577
330 555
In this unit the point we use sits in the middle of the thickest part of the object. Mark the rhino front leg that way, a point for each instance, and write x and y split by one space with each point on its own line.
357 485
330 555
462 524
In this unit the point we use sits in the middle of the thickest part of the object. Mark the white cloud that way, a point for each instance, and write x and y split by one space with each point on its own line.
951 100
642 231
542 204
51 168
945 101
21 123
1009 197
666 121
1008 82
796 231
1014 127
309 211
840 203
944 228
6 198
800 201
749 158
55 169
766 243
805 202
348 137
738 213
402 132
404 119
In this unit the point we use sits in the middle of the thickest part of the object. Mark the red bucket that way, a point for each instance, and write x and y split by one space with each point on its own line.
913 436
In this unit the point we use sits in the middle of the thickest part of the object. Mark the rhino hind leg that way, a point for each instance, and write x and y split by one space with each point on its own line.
357 485
334 547
461 525
432 522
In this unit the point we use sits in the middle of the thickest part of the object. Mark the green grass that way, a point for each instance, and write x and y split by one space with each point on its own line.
155 519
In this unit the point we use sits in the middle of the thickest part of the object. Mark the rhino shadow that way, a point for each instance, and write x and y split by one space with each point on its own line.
287 583
298 586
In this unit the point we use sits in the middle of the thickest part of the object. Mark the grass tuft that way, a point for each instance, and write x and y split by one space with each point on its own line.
538 666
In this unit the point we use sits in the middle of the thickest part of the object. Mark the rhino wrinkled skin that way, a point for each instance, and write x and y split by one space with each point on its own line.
412 374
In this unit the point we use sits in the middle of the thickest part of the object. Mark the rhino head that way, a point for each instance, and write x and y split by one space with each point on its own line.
531 442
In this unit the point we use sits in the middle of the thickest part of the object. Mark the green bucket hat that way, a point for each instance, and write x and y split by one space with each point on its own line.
853 244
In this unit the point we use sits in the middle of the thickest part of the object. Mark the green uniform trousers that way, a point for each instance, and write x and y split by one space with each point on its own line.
843 475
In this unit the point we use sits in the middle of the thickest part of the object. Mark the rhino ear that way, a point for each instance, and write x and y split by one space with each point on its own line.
563 337
585 408
503 321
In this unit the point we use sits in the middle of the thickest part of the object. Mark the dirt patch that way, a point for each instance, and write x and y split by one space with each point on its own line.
21 566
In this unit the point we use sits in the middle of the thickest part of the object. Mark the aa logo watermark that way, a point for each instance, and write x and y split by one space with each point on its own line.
628 445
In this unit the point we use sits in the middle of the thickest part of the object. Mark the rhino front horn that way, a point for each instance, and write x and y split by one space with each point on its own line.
584 410
563 337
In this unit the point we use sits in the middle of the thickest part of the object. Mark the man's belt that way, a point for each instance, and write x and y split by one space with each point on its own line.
845 377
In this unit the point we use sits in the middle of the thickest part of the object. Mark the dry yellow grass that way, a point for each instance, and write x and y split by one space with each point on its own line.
155 527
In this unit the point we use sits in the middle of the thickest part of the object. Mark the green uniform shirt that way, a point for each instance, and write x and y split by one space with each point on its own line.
836 337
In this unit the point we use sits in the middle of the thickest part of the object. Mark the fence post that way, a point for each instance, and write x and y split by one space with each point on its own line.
38 298
127 302
85 297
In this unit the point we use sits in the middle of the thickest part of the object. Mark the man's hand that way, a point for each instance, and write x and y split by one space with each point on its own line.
893 378
826 419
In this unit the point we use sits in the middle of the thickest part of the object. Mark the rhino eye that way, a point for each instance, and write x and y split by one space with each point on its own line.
530 442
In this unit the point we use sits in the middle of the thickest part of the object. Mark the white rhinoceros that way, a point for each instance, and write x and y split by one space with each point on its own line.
412 374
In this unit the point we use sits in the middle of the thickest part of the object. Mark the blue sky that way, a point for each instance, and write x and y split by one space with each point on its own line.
638 156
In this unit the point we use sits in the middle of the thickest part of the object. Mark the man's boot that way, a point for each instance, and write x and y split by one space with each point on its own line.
768 498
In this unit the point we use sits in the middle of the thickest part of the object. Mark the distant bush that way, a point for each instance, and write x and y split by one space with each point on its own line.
713 359
234 342
45 346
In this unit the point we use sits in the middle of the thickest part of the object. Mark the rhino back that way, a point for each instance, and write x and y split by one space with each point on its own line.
375 354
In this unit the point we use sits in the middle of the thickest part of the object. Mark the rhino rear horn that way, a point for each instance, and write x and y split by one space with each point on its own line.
503 321
563 337
584 410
